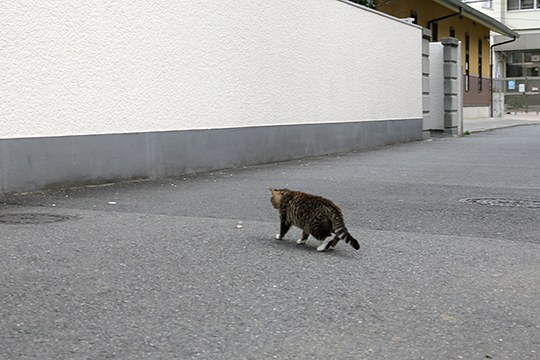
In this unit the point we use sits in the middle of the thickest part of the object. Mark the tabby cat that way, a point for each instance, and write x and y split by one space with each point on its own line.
314 215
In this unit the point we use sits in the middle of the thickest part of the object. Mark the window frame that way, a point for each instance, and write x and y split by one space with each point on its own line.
535 5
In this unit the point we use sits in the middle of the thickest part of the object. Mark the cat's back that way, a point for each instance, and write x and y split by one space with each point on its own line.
311 202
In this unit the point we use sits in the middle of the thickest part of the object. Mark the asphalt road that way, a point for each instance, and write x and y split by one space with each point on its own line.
188 268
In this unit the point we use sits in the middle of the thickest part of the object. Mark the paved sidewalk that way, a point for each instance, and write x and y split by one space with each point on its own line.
509 120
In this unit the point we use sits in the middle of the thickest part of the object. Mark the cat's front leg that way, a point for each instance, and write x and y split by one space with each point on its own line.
303 239
283 228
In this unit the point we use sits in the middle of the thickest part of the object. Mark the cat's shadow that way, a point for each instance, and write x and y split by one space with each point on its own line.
310 247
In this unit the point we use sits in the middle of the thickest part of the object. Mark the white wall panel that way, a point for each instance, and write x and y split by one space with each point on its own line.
99 67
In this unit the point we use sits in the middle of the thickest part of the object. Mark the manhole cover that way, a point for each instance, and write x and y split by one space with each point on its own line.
531 204
32 218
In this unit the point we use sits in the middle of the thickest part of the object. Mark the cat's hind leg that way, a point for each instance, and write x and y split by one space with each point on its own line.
335 241
325 245
303 239
322 234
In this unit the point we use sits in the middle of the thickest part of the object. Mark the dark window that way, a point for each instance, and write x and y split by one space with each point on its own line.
480 44
522 64
514 70
517 57
532 71
435 31
513 5
527 4
522 4
452 32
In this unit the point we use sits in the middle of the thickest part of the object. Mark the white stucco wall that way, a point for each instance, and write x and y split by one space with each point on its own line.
99 67
494 11
523 19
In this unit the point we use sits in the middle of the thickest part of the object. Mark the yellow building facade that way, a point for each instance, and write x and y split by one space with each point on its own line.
451 18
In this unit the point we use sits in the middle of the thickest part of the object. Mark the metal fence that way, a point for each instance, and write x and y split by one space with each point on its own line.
520 93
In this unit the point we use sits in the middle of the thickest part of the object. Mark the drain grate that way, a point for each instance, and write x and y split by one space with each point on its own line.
30 218
530 204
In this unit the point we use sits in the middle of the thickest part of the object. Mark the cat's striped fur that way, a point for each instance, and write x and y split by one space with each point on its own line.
314 215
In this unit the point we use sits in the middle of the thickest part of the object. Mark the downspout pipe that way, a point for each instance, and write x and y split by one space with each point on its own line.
443 18
514 38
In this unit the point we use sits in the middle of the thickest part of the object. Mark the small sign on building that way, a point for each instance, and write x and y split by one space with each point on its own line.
511 84
521 88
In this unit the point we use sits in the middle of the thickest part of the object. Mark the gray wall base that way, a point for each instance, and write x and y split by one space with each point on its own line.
31 164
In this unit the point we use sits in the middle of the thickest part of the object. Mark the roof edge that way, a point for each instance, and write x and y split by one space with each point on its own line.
479 17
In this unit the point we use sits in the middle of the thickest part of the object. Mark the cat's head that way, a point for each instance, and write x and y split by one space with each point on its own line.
277 195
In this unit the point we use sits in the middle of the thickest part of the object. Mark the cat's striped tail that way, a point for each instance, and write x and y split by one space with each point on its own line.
343 234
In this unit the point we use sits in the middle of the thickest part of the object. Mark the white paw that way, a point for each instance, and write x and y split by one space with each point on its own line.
278 237
301 242
324 245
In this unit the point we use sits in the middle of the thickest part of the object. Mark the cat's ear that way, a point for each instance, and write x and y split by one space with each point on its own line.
271 190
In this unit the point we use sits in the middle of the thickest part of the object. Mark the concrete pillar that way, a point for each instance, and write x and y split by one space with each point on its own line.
426 37
498 104
451 72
